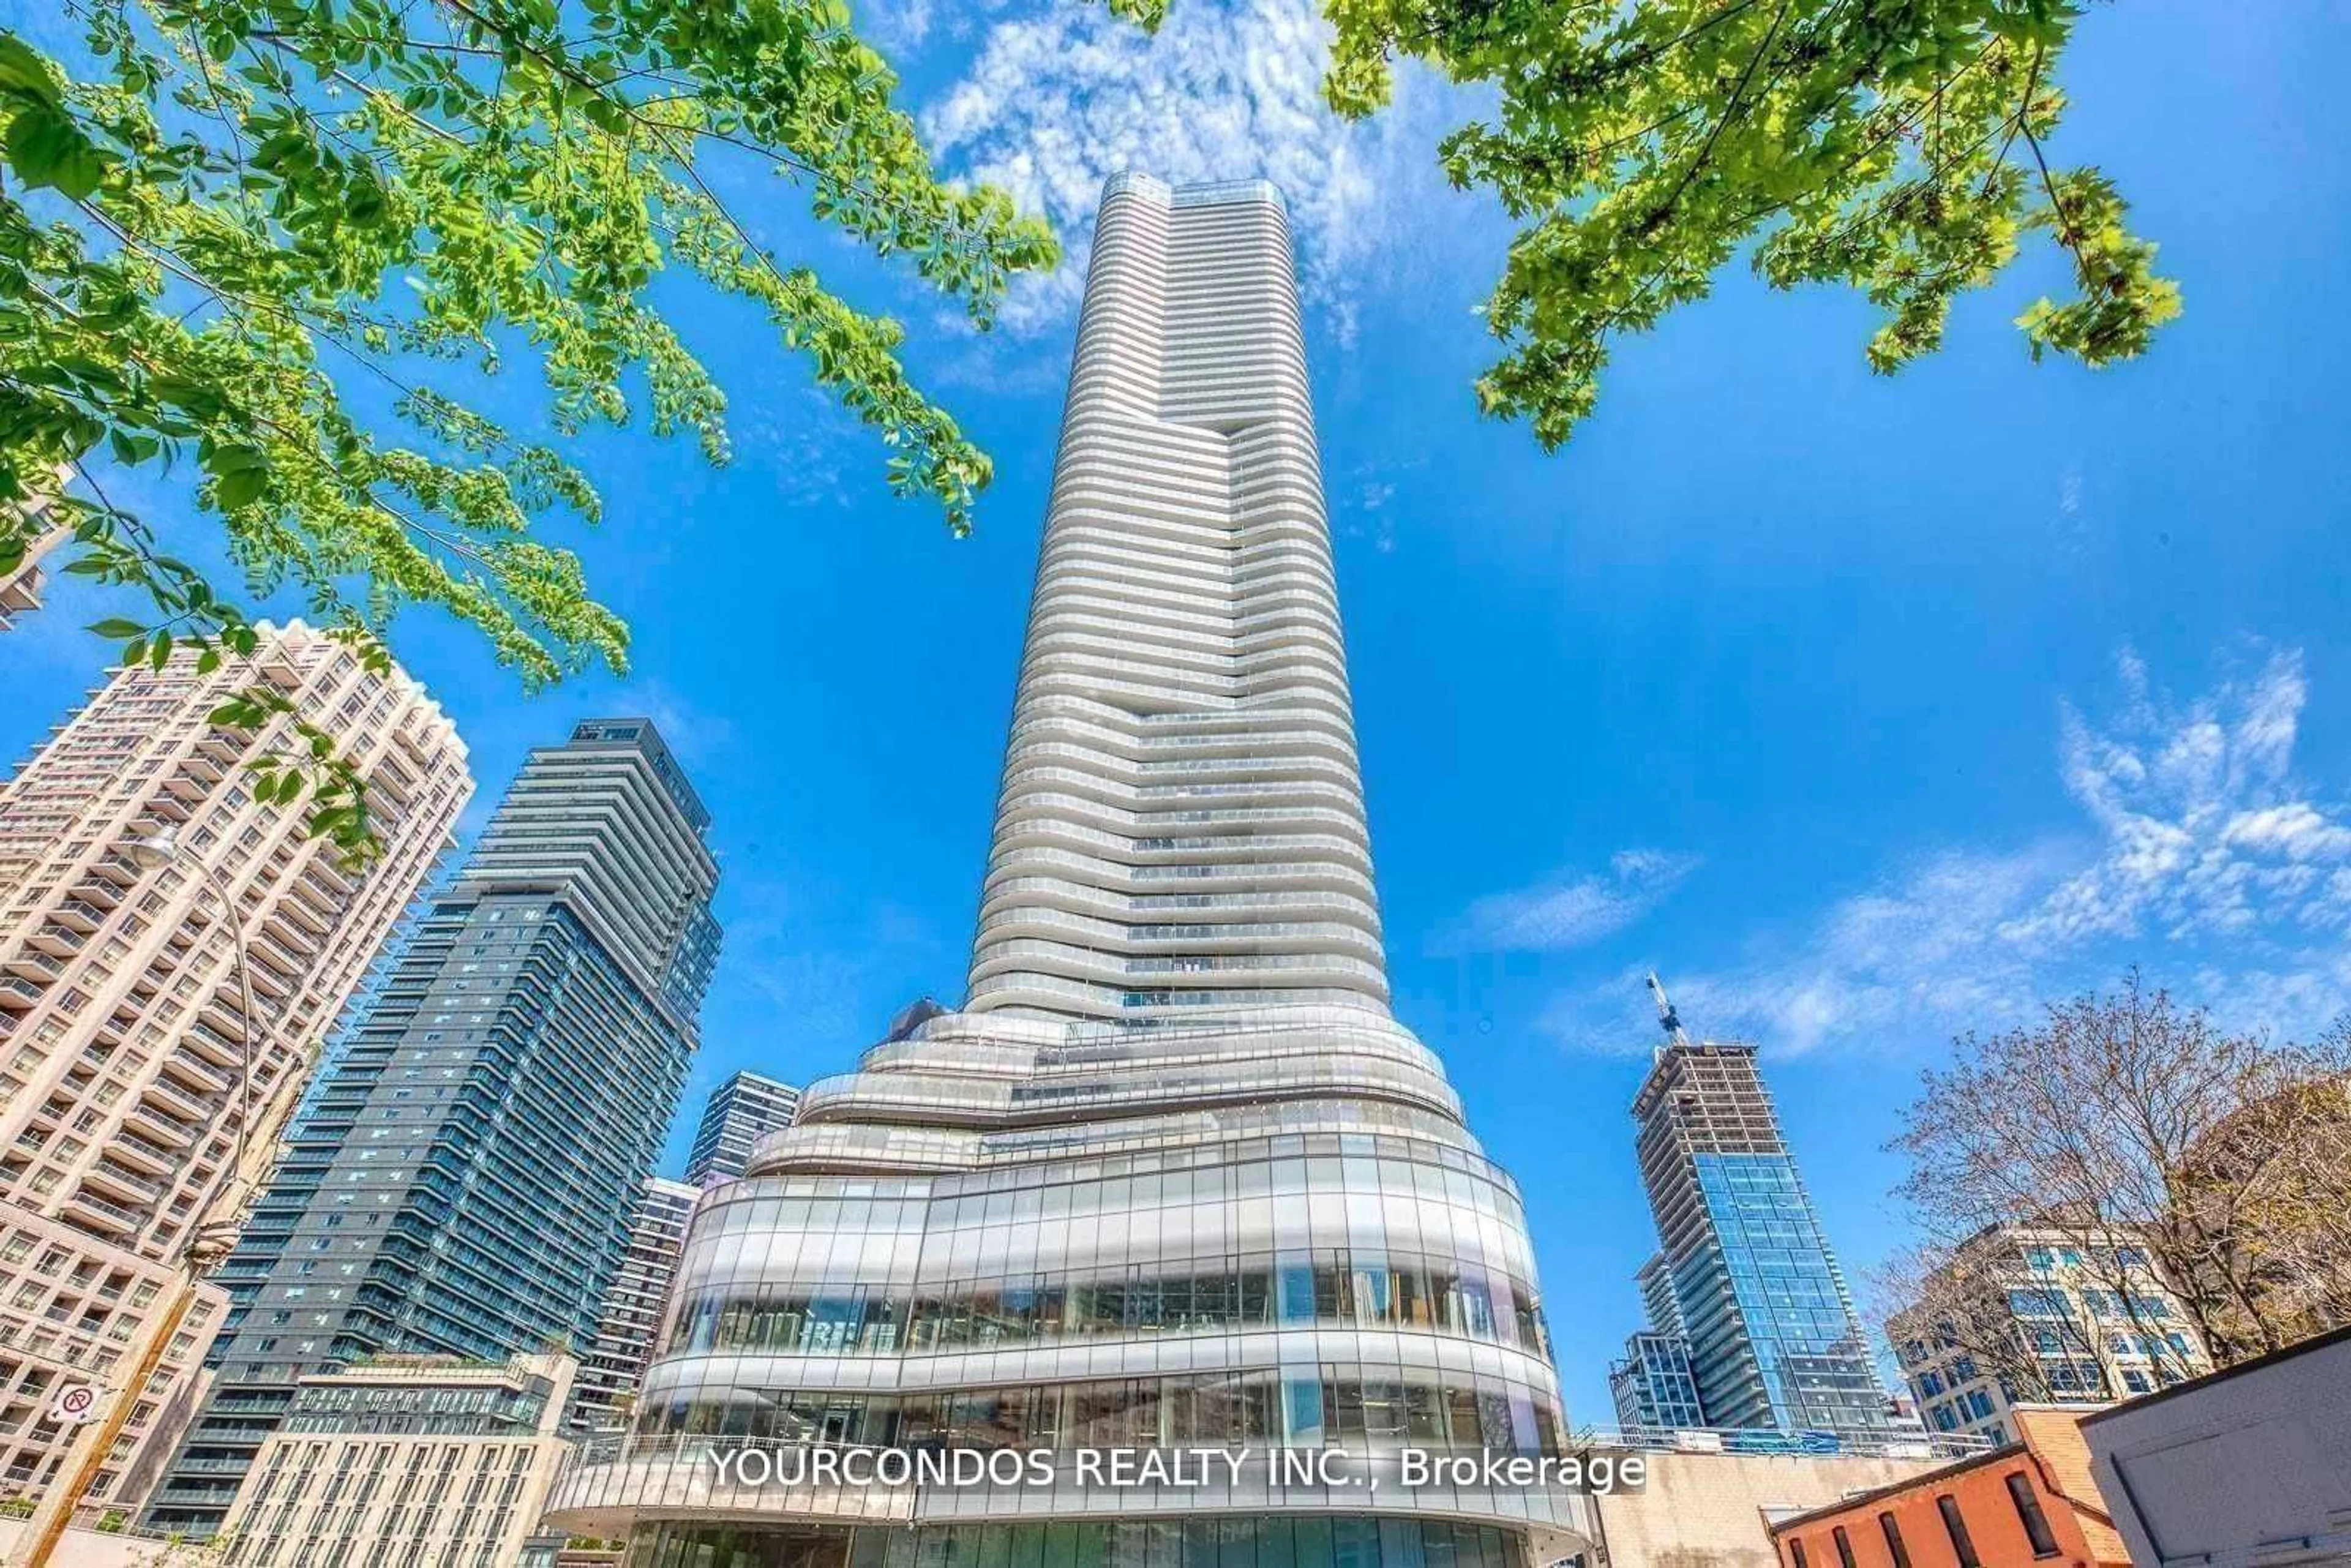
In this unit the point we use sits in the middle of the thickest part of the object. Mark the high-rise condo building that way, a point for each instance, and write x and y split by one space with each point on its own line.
25 537
740 1111
1173 1175
2026 1315
420 1460
606 1390
463 1180
123 1030
1773 1341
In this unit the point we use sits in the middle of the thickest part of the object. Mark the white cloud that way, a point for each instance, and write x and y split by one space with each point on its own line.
2203 828
899 27
1568 911
896 25
2202 858
1058 99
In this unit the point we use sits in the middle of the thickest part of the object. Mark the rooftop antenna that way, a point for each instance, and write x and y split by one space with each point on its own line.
1668 1019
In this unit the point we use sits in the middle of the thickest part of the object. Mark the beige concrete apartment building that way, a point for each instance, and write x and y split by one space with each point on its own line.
405 1462
122 1034
2027 1315
21 576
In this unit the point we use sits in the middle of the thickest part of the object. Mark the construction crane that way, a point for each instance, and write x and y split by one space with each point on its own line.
1667 1019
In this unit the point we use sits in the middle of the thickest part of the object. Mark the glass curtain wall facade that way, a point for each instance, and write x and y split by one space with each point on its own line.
1173 1175
1651 1385
462 1181
1774 1339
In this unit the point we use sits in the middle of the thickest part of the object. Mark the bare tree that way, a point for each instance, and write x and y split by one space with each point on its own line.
2278 1175
2113 1116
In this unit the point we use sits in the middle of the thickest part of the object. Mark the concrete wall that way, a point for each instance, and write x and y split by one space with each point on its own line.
1715 1510
2251 1465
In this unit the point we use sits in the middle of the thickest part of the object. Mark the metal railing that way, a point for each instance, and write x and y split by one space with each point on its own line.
1884 1445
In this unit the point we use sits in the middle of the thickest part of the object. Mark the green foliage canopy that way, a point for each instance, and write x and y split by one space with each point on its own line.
1898 146
241 207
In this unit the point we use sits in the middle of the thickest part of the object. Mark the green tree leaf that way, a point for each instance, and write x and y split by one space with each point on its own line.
47 147
268 205
1641 147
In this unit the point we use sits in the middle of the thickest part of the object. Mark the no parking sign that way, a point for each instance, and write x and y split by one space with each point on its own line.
73 1404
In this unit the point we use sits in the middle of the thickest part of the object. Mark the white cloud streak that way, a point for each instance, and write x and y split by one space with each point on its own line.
1568 911
2202 857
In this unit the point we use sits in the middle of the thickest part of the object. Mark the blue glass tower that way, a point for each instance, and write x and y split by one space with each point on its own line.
1773 1338
462 1181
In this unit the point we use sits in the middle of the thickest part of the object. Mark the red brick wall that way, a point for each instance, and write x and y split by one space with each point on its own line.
2054 1464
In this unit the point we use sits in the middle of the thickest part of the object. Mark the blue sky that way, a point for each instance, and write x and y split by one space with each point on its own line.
1867 711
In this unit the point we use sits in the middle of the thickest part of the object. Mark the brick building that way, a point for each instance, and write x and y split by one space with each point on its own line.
2029 1502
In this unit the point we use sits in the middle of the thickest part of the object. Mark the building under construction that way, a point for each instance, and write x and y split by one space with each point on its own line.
1773 1341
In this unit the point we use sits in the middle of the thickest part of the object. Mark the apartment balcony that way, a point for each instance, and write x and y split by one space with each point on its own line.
294 921
86 1209
78 915
214 1046
120 870
293 951
151 1125
393 787
274 666
34 966
56 940
186 790
178 1102
114 1183
19 994
163 806
189 1071
141 1153
98 891
269 982
222 1017
311 893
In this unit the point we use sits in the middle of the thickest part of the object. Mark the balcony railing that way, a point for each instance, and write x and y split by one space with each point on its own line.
1889 1444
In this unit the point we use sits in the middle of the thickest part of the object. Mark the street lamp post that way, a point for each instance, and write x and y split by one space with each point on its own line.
209 1240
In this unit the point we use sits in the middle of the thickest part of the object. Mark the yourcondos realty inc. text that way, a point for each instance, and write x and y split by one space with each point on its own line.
1176 1468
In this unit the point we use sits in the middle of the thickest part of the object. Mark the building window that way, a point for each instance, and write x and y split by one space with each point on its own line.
1894 1546
2028 1509
1962 1544
1843 1546
1796 1554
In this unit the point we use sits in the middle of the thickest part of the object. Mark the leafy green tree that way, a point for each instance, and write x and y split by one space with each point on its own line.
1899 146
249 237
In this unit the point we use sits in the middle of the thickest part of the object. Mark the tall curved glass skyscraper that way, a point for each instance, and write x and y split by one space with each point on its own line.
1172 1176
